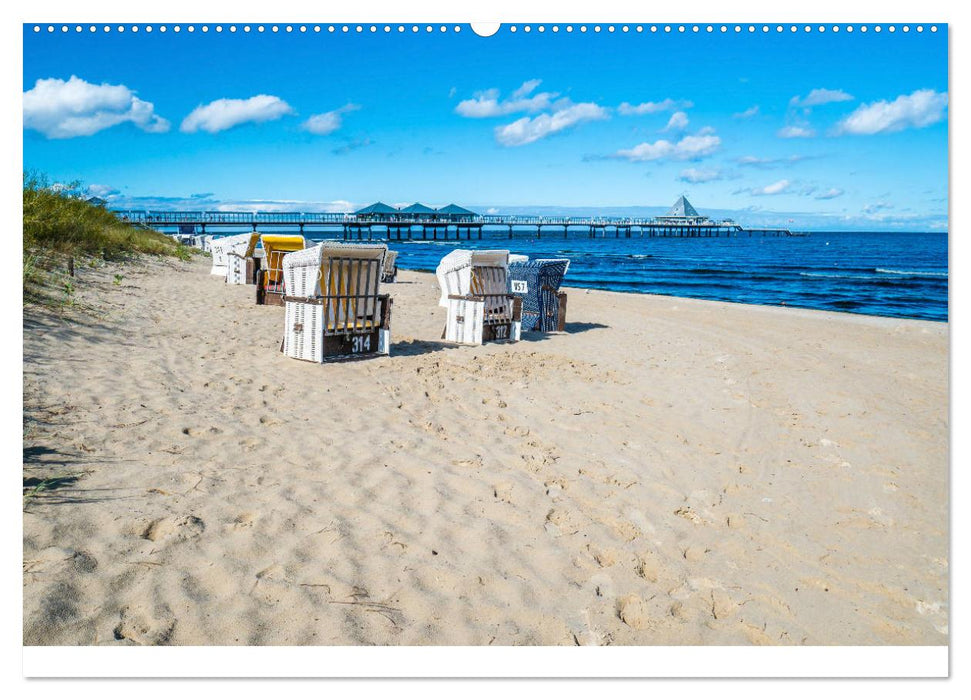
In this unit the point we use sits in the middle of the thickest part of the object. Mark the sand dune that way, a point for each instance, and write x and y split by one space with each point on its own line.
668 471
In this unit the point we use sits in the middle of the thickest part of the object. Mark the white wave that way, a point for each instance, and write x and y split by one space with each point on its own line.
911 273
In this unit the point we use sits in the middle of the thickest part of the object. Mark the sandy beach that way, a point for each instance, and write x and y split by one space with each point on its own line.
668 471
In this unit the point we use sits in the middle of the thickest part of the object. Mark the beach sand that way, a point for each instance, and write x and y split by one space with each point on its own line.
668 471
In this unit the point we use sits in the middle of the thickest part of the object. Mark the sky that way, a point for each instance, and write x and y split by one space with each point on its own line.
831 130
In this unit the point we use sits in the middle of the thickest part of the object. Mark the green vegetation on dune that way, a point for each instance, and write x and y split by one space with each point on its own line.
62 230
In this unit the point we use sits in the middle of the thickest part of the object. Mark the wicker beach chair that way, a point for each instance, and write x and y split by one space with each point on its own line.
269 279
537 283
239 256
475 292
390 270
219 248
334 306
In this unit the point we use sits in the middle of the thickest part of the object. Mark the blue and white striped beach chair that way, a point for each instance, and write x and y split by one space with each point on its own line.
537 283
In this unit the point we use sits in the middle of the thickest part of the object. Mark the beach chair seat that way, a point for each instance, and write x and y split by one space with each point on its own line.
475 293
334 306
390 271
269 278
537 283
237 253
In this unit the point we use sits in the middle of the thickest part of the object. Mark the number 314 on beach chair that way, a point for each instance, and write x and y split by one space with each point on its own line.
475 292
334 308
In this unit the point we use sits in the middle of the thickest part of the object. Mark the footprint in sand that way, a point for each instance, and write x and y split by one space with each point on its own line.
181 529
242 521
140 626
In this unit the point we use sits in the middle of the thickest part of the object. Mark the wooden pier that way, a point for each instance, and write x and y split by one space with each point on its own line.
424 228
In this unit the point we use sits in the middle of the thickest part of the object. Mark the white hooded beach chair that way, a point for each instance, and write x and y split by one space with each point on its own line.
270 286
219 248
239 259
475 292
334 306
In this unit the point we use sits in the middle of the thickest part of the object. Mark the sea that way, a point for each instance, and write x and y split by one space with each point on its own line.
902 275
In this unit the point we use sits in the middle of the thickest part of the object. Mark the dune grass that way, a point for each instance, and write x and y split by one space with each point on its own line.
62 230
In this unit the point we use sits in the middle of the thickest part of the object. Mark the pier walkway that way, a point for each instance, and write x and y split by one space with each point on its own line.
404 227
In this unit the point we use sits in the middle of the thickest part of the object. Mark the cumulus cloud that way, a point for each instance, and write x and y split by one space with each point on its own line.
63 109
677 122
328 122
796 132
220 115
286 205
666 105
487 104
779 187
103 191
530 129
831 193
748 113
691 147
699 175
820 96
916 110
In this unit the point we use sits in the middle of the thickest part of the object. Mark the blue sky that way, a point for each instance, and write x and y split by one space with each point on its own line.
830 130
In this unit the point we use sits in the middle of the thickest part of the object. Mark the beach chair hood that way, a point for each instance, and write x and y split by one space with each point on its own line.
307 272
454 272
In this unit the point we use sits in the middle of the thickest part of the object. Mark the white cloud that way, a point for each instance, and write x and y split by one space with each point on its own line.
103 191
667 105
796 132
328 122
691 147
748 113
779 187
220 115
820 96
286 205
487 103
831 193
529 129
62 109
699 175
677 122
917 110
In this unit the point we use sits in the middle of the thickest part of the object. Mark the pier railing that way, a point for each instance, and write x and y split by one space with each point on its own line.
353 224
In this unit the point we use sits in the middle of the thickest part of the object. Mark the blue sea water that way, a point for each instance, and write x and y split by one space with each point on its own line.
898 274
884 274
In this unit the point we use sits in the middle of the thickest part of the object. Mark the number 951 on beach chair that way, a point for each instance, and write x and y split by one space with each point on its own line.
334 308
537 283
475 292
